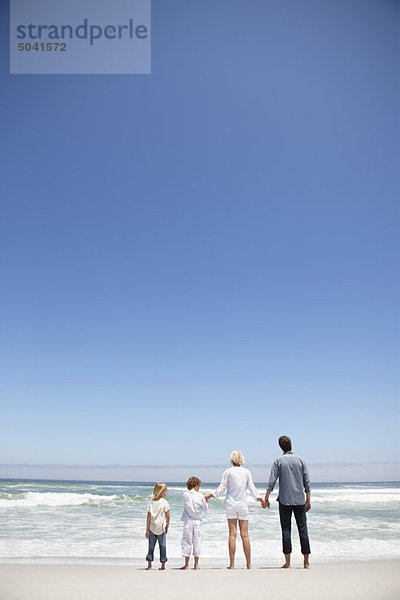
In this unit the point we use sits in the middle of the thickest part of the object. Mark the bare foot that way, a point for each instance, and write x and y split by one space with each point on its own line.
249 566
162 568
230 567
306 565
196 568
184 568
148 568
285 566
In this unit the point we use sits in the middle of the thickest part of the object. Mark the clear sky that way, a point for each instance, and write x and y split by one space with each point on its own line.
206 257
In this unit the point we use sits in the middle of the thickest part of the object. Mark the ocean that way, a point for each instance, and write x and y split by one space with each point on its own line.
75 521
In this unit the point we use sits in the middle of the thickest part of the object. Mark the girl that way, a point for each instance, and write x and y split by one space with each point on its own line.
157 524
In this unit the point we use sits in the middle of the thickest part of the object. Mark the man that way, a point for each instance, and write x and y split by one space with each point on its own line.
293 482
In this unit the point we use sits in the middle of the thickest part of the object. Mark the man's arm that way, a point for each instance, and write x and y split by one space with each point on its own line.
307 486
271 483
265 503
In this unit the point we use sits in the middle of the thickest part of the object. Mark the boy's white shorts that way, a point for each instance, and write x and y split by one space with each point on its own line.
191 538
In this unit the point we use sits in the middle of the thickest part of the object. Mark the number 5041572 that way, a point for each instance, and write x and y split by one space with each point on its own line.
42 47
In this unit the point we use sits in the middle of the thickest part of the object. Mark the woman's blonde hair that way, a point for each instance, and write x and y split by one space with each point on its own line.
158 490
237 458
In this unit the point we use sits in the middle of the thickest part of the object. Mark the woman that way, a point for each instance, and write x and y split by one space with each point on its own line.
236 481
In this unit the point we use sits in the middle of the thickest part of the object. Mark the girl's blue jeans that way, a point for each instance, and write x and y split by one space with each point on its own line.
162 542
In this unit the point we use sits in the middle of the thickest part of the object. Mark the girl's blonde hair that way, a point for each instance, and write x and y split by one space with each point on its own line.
158 490
237 458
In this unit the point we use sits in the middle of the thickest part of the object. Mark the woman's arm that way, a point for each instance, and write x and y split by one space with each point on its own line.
222 486
252 488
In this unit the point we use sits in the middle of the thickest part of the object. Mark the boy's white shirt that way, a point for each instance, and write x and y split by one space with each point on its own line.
194 504
157 510
236 481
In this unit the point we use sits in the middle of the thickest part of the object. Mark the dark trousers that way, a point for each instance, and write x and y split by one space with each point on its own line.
162 542
285 514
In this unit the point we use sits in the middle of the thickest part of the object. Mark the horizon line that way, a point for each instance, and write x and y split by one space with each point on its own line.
151 482
184 466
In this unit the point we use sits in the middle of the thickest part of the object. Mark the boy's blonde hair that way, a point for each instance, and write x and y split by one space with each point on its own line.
237 458
158 490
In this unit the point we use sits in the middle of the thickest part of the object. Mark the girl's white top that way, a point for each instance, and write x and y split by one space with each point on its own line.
194 504
158 510
236 481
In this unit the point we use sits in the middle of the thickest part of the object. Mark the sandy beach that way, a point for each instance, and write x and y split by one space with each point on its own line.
363 580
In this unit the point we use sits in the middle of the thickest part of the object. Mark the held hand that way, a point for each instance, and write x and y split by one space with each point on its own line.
208 496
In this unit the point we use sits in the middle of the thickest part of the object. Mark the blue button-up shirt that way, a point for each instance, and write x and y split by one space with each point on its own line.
293 476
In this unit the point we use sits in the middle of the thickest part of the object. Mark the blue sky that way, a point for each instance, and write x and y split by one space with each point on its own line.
206 257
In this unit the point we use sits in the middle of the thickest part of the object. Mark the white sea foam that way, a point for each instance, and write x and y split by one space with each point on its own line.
32 499
104 520
357 496
268 549
55 499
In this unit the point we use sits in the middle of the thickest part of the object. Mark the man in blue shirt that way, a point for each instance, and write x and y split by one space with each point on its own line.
293 482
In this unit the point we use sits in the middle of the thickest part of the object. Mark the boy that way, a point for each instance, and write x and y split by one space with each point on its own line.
194 505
